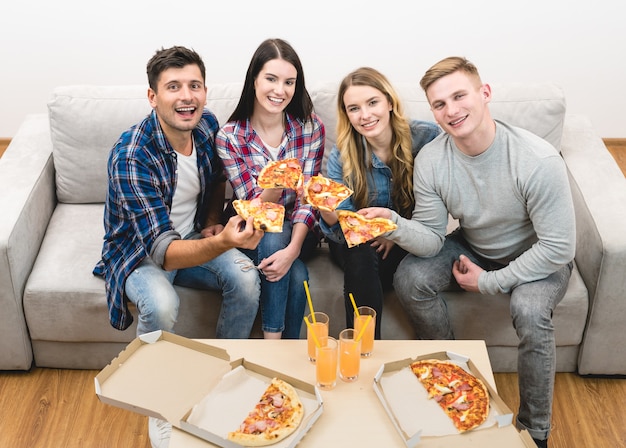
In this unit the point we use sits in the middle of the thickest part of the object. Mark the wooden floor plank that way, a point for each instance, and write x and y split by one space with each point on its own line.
51 408
585 412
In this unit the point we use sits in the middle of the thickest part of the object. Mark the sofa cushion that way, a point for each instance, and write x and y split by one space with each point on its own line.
63 301
86 121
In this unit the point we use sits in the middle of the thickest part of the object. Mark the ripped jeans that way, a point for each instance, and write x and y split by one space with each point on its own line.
151 289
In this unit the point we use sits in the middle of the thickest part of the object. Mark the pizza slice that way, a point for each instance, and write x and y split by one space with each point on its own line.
357 229
324 193
268 216
284 173
463 397
276 416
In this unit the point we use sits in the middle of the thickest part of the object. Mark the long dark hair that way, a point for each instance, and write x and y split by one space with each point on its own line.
301 106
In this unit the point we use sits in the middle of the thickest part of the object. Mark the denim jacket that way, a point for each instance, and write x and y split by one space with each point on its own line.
378 179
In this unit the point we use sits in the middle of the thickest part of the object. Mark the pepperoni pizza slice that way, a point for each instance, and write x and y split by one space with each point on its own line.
268 216
463 397
357 229
324 193
284 173
276 416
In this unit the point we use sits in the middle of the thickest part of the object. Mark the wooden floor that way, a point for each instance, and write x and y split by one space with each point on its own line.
51 408
617 147
4 142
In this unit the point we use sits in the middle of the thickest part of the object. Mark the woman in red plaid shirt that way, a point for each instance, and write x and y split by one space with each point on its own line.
274 120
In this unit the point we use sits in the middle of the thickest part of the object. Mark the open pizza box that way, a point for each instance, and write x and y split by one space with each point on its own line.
195 387
416 417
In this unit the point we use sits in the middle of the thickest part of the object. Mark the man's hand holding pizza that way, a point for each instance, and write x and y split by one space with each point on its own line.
375 212
240 233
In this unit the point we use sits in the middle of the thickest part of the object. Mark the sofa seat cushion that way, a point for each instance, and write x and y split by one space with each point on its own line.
63 301
487 317
472 315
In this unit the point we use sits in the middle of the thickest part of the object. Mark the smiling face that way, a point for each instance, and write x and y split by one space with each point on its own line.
368 110
459 104
275 86
179 99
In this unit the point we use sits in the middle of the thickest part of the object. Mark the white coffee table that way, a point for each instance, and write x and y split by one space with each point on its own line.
353 414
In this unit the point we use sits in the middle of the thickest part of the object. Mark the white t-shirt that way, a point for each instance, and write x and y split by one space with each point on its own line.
274 150
185 200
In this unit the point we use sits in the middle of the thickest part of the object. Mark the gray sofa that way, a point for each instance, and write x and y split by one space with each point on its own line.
53 180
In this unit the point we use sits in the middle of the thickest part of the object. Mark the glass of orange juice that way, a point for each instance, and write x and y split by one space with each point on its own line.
326 364
349 355
319 326
367 340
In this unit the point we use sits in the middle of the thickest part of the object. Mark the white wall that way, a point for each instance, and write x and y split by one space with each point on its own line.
581 47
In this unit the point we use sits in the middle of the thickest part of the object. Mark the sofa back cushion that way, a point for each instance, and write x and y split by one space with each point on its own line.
86 121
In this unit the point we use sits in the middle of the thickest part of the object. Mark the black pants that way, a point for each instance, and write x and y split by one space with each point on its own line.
366 275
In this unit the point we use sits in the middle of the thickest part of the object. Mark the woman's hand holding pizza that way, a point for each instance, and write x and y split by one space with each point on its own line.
271 194
329 218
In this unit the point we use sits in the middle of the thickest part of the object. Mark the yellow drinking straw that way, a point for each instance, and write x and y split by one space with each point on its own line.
358 338
308 324
308 296
356 310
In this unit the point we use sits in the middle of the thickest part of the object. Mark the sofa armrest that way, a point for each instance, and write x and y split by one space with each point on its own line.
26 204
599 191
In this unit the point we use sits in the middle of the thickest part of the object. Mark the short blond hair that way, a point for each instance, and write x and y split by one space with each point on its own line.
446 67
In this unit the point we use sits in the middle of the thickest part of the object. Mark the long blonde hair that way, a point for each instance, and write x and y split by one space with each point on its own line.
353 153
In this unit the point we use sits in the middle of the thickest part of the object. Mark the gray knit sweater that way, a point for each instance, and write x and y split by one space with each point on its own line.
513 203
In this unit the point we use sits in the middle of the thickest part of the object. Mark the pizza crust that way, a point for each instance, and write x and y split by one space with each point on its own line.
287 416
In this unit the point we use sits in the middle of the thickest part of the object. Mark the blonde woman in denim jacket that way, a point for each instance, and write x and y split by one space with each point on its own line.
374 153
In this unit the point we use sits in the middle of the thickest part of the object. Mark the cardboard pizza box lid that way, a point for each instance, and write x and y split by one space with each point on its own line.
164 375
501 413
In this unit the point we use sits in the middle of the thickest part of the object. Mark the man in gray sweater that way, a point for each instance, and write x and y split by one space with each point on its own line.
509 191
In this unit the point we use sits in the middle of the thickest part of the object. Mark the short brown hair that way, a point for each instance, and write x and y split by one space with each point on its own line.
174 57
446 67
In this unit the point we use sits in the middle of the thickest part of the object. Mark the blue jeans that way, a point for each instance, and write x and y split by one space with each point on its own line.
283 302
366 275
418 282
151 289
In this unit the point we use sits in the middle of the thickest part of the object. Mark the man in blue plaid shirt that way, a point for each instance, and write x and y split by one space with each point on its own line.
164 206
